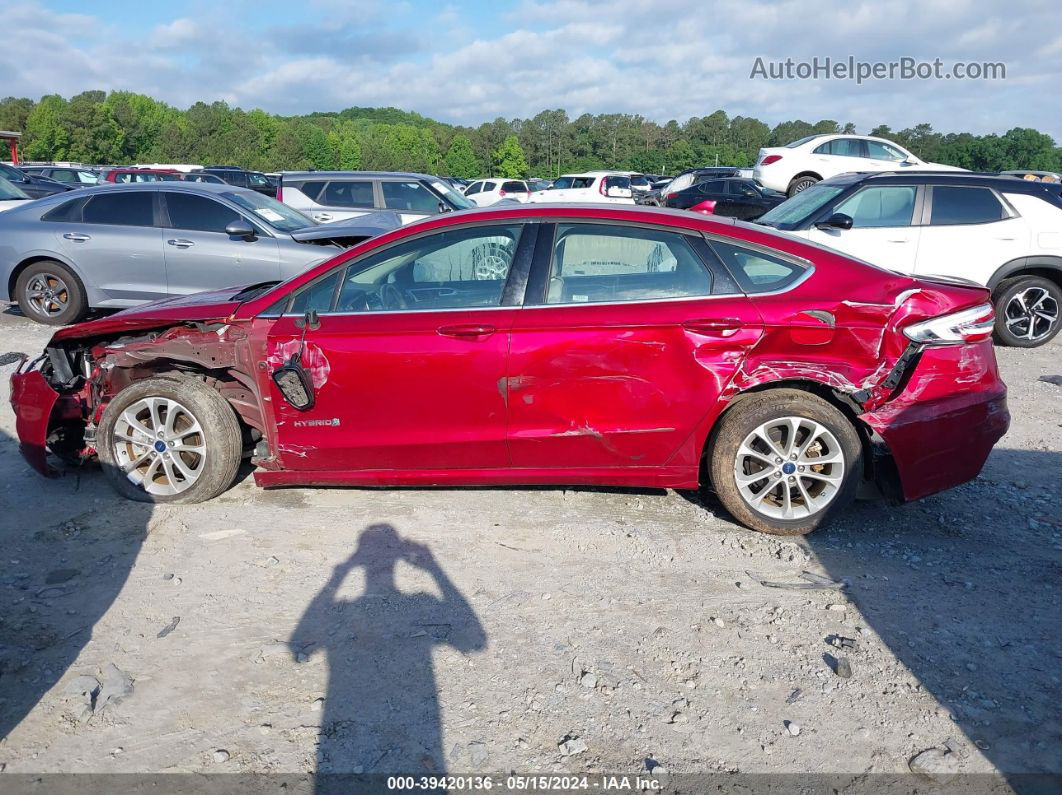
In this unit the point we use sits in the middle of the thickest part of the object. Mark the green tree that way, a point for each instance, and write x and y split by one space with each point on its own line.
509 159
460 160
47 134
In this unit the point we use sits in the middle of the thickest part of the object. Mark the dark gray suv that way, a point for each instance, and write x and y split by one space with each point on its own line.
328 196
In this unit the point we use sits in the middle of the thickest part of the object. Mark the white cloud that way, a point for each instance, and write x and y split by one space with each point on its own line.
665 59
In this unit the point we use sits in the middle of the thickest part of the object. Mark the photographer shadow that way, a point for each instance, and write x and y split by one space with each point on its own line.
381 710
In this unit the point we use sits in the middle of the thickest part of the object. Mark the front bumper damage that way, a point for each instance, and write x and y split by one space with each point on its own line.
33 401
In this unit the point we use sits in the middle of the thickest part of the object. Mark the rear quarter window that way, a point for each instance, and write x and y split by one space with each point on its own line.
67 211
756 271
957 205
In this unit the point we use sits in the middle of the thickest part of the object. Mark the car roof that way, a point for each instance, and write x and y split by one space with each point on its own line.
179 185
927 177
354 175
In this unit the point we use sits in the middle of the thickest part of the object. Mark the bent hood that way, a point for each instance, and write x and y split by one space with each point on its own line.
213 306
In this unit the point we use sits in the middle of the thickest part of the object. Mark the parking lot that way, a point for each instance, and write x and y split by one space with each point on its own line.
537 630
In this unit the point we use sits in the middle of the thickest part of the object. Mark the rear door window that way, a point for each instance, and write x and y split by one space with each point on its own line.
891 205
957 205
125 208
601 263
347 194
409 196
198 213
473 188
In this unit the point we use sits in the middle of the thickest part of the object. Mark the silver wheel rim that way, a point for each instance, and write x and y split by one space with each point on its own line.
159 446
1031 314
789 468
48 294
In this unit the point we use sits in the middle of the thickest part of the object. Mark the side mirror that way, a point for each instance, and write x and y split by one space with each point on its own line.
291 378
295 383
836 221
240 229
444 207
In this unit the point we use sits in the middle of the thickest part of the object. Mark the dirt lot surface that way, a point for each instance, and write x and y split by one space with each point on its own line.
534 630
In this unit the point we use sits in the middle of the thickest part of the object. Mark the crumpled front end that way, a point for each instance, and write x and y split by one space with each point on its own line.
944 421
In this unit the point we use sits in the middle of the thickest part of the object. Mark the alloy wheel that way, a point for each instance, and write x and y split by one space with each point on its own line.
1031 314
789 468
159 446
48 294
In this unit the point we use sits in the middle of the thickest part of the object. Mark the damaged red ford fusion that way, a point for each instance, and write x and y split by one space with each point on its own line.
533 344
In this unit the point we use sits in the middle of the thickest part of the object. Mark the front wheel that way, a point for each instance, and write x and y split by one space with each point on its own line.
783 461
1027 311
169 440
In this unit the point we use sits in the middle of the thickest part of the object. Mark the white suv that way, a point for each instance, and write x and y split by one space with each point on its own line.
799 165
485 192
1000 232
592 186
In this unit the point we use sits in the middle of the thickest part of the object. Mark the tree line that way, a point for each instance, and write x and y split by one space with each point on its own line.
122 127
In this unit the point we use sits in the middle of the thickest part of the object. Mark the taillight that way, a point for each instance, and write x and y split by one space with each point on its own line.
770 159
501 193
280 193
969 325
670 196
601 188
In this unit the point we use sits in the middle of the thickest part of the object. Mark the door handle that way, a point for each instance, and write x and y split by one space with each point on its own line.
898 240
77 236
181 243
466 330
714 327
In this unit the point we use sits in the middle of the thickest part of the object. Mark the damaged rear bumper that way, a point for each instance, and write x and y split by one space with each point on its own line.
941 428
33 400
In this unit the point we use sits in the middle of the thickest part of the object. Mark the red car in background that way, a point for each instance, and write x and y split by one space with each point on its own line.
139 174
531 344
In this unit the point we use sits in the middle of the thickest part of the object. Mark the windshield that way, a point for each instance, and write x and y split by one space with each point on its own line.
452 196
681 182
793 211
10 192
277 215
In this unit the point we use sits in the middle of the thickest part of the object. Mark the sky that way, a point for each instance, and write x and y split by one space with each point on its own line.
470 62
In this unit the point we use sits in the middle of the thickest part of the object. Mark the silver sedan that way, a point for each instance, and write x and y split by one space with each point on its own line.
116 246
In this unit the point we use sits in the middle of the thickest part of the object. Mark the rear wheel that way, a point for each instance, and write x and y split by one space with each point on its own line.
50 293
169 440
783 461
801 183
1027 311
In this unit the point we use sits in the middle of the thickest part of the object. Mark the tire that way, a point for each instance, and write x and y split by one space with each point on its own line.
50 293
821 429
1027 311
203 423
801 183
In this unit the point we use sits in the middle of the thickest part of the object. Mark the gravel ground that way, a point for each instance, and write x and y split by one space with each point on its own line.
535 630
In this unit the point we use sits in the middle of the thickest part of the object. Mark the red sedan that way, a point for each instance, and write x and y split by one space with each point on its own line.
530 344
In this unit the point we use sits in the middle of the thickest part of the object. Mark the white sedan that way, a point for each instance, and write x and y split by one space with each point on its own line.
799 165
591 186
